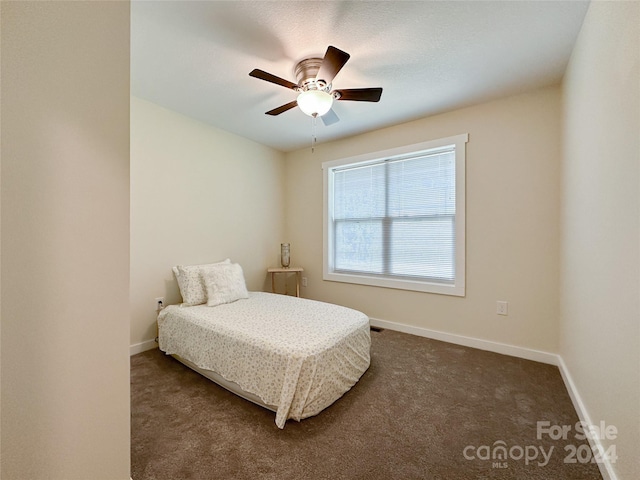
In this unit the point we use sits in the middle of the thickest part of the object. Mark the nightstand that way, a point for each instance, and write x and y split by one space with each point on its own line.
297 270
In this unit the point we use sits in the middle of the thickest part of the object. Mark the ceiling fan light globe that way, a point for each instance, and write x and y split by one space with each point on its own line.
315 102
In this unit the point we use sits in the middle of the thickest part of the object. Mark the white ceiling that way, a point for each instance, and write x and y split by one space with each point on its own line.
194 57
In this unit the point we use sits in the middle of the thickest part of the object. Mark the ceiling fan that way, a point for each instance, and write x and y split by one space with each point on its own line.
315 96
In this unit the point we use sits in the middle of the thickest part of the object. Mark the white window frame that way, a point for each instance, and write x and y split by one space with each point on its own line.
458 287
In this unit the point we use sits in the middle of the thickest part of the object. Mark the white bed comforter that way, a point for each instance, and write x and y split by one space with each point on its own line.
297 354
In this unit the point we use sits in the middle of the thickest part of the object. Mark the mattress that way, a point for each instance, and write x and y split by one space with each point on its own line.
296 354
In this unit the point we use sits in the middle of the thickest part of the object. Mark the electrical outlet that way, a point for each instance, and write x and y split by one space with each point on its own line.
502 308
304 281
159 305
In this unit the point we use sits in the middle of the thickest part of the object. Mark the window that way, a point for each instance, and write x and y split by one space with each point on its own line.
396 218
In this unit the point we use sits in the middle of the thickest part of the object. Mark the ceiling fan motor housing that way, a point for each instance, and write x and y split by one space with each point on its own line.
306 72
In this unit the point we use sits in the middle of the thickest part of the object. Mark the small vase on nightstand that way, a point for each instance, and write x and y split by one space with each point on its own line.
284 255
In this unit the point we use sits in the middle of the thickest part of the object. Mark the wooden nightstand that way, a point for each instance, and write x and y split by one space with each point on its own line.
297 270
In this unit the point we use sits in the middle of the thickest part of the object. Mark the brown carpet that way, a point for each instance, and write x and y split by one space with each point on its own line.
414 414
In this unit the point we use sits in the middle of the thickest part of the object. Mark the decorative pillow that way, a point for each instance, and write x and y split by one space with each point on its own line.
191 284
225 284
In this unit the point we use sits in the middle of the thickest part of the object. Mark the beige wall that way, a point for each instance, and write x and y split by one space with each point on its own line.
198 195
513 159
65 240
600 281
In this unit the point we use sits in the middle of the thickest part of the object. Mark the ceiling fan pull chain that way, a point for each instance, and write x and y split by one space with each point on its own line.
314 121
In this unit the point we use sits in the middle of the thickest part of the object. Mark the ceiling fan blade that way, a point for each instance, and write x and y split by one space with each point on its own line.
282 108
330 118
360 94
334 60
262 75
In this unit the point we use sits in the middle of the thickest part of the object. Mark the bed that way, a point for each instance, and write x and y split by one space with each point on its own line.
291 355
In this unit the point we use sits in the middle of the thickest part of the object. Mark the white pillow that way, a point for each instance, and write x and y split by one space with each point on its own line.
225 284
191 284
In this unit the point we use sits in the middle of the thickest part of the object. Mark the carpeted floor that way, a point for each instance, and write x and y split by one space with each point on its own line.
424 410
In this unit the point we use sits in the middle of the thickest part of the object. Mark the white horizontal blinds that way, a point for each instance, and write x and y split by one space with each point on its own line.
396 217
358 212
421 209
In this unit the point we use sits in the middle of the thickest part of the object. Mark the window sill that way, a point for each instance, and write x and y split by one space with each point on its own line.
416 286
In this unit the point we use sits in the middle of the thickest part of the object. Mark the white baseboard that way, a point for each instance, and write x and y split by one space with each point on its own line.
606 468
503 348
142 347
